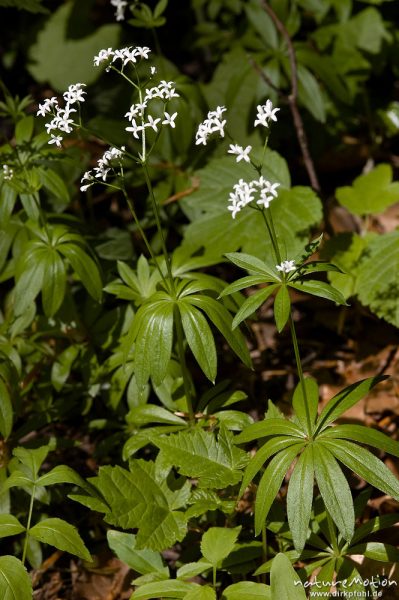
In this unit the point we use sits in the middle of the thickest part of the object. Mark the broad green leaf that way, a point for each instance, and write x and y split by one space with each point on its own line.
24 129
61 535
365 435
253 265
282 308
197 453
253 302
6 412
33 458
54 184
272 446
9 525
370 193
61 368
173 588
199 338
54 282
300 497
306 408
365 464
267 427
143 561
377 551
345 250
221 318
203 592
334 489
218 542
284 582
63 474
150 413
270 483
345 399
318 288
70 60
15 583
262 23
309 94
248 590
193 569
377 277
31 280
85 267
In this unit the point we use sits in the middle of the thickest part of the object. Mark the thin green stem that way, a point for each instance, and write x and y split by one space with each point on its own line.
184 370
214 577
32 499
272 235
300 373
264 549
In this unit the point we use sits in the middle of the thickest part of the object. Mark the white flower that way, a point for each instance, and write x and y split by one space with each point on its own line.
265 113
134 111
102 56
135 129
244 193
142 52
152 123
286 266
240 152
55 139
153 70
212 124
169 119
120 6
74 93
8 173
47 106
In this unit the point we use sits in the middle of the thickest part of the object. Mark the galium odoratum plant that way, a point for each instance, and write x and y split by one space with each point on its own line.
314 443
180 309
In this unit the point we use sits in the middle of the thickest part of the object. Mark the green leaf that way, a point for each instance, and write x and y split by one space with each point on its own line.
309 405
30 281
300 497
193 569
282 308
252 303
253 265
143 561
15 582
197 453
54 282
172 588
345 399
284 582
218 542
365 435
370 193
334 489
85 267
248 590
243 283
199 338
203 592
150 413
309 94
63 474
377 551
160 342
320 289
365 464
267 427
61 368
61 535
376 524
54 184
6 412
270 483
24 129
9 525
70 60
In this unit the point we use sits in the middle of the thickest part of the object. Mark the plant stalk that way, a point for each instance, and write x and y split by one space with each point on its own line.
184 370
32 499
300 372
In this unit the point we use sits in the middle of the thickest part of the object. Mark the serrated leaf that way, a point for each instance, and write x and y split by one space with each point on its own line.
306 407
15 583
9 525
199 454
61 535
282 308
218 542
248 590
365 464
199 338
284 582
334 489
345 399
300 498
270 483
370 193
143 561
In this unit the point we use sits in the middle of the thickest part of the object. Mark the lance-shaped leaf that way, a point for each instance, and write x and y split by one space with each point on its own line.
252 303
267 427
376 551
345 399
253 265
365 435
243 283
61 535
366 465
6 412
376 524
15 583
334 489
215 462
271 482
85 267
300 497
318 288
305 406
199 338
282 308
53 290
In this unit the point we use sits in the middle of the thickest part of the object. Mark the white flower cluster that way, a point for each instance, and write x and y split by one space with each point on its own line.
104 166
137 116
286 266
120 6
260 190
265 113
61 120
212 124
8 173
240 152
127 55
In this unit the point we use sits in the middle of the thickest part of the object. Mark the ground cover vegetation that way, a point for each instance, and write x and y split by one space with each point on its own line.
199 257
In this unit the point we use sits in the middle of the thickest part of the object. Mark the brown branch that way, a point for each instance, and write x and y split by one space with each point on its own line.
292 97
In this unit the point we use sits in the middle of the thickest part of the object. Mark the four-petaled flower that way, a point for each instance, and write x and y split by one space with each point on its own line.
265 113
286 266
240 152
